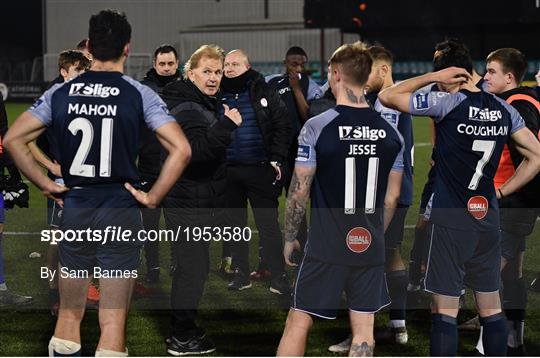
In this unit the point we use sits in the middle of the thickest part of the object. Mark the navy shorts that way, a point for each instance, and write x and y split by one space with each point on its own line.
459 258
98 208
54 214
511 245
319 287
393 237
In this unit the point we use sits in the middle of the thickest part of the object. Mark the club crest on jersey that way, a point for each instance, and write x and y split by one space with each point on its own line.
478 207
421 101
358 240
304 153
360 133
484 114
36 104
92 90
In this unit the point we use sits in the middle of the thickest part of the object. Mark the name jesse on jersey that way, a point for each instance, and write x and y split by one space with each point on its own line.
363 133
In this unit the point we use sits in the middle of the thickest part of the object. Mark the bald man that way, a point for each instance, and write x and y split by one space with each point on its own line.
260 146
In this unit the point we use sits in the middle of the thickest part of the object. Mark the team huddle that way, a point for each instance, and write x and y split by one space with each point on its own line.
346 147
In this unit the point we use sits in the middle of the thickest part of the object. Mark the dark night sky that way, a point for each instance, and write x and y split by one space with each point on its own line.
20 26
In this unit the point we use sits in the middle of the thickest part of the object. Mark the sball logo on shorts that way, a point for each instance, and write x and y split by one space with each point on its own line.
358 239
478 207
92 90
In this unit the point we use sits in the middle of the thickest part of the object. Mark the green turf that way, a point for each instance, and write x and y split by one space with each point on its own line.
248 323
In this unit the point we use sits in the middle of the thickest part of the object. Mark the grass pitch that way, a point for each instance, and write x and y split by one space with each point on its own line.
246 323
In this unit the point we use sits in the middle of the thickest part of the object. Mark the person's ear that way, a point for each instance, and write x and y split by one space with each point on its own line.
191 76
63 73
126 50
510 78
384 70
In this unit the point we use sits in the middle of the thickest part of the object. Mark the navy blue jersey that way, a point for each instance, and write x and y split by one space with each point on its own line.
96 120
353 151
403 123
471 130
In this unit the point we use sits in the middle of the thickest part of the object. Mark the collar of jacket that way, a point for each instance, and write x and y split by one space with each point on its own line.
240 83
185 91
160 81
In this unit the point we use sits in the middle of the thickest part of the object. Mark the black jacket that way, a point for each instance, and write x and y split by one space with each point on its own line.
158 82
518 211
149 163
270 111
208 136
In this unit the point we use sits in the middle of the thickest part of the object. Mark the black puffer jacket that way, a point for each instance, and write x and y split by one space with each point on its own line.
148 163
208 136
270 111
157 82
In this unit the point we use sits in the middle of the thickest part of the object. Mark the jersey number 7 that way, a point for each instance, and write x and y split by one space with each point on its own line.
486 147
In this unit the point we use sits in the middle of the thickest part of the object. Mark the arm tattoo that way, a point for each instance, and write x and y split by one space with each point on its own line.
296 204
361 350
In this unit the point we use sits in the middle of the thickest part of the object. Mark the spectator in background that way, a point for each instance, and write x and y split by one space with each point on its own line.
6 296
295 89
71 63
254 159
506 68
164 71
194 197
81 46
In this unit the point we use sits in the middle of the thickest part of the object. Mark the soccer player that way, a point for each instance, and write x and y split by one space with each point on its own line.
472 127
71 63
354 160
99 110
421 236
296 89
396 273
506 68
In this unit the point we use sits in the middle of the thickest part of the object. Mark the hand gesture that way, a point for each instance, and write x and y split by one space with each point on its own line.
54 191
452 75
288 249
294 79
55 169
142 196
233 114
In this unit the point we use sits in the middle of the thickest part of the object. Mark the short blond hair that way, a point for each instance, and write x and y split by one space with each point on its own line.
354 60
211 51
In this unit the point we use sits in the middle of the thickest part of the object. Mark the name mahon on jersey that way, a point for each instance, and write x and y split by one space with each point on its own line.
92 109
92 90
